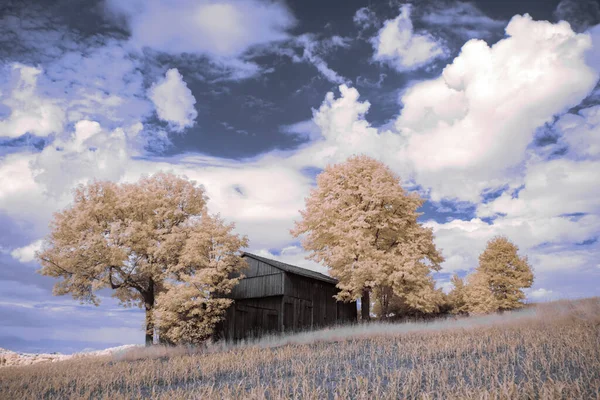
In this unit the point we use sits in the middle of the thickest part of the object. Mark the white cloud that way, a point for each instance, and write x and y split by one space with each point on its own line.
541 294
89 152
468 126
89 90
30 111
582 132
398 45
463 18
552 188
306 129
462 241
27 253
573 259
344 132
22 198
310 53
294 255
556 210
174 101
467 130
223 28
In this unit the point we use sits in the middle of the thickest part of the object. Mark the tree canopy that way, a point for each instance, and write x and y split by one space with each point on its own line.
506 271
139 239
362 225
496 284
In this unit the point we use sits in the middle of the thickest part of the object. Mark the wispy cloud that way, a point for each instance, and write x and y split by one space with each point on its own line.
462 18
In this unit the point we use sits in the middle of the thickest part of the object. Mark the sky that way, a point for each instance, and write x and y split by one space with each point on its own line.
489 110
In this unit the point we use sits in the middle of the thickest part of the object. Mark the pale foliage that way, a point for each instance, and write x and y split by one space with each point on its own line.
479 299
361 223
189 310
132 238
457 296
183 315
496 284
507 273
388 305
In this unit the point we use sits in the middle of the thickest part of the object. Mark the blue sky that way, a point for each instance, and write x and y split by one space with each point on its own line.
490 110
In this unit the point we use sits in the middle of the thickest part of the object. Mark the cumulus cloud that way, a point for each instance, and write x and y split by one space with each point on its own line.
468 126
27 253
29 110
345 131
89 152
398 45
222 28
174 101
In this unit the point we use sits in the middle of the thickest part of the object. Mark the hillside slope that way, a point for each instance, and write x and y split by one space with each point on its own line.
551 351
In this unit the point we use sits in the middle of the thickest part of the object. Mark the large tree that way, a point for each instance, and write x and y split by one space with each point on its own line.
134 238
506 271
362 225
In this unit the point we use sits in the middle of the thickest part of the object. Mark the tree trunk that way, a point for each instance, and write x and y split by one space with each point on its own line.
149 303
149 326
365 306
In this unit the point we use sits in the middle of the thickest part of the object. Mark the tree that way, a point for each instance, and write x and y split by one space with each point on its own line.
479 299
507 273
457 297
133 238
188 311
361 223
388 305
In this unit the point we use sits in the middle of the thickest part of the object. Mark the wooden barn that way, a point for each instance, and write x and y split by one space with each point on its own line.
278 297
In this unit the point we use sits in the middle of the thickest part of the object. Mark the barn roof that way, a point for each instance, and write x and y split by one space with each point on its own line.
292 269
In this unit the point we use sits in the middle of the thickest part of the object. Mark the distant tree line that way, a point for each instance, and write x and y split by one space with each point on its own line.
155 244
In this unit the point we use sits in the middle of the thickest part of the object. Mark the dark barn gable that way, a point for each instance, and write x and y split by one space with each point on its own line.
278 297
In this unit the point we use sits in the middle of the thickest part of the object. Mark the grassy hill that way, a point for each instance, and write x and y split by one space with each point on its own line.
550 351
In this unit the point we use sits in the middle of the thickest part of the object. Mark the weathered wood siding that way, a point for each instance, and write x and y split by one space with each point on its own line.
309 304
251 318
261 280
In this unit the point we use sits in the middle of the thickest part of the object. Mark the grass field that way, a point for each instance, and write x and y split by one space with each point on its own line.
550 351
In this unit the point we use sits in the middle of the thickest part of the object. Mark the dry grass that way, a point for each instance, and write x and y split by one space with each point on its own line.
547 352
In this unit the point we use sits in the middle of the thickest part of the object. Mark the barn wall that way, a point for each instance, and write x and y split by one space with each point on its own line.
309 304
261 280
251 317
